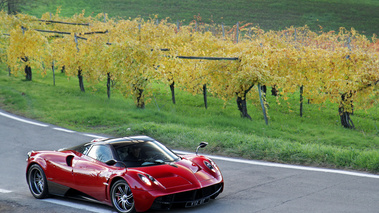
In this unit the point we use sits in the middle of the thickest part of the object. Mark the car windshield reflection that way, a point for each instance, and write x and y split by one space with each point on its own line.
144 154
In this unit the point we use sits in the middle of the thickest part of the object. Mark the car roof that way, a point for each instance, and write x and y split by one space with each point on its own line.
129 139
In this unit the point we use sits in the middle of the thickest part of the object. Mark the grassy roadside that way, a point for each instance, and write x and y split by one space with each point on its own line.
269 14
316 139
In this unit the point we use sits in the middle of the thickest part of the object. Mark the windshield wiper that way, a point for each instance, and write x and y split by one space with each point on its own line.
157 162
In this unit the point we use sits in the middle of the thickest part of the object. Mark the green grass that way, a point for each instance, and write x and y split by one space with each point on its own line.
269 14
316 139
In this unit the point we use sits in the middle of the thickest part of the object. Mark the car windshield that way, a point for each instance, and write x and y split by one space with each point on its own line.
144 153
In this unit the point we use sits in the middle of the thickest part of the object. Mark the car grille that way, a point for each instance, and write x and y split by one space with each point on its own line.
189 198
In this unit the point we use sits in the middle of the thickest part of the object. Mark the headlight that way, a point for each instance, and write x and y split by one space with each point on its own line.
29 154
210 166
149 180
144 179
214 164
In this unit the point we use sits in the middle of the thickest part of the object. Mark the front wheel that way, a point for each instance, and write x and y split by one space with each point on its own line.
122 197
37 182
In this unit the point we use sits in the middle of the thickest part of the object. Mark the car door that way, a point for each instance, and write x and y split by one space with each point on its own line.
59 172
91 174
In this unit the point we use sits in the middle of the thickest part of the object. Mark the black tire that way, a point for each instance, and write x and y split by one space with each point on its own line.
122 197
37 182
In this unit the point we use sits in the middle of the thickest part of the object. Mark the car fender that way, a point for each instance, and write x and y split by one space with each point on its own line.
199 160
143 199
34 158
131 177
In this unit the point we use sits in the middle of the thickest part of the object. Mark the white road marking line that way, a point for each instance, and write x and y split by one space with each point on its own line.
64 130
77 205
23 120
5 191
286 166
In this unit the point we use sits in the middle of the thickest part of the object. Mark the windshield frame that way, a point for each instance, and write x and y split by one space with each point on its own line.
150 153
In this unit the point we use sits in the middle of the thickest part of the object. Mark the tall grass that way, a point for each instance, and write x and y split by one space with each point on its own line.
316 139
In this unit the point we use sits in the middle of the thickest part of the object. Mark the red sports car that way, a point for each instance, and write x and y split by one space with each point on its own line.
132 173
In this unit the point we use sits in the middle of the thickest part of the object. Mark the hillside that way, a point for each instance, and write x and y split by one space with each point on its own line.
323 15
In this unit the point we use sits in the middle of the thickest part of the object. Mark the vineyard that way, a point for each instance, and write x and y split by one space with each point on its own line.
209 59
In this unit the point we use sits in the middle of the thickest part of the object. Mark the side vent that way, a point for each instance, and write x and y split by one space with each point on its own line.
69 160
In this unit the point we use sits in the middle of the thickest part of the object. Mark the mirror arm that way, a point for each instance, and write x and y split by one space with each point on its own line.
197 149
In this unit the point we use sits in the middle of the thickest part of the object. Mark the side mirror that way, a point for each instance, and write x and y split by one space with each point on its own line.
111 162
201 145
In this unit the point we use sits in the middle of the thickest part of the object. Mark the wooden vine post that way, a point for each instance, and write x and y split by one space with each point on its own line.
205 96
109 85
301 100
262 103
53 68
172 88
80 76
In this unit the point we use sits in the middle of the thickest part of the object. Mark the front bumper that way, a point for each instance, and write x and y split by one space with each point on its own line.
189 198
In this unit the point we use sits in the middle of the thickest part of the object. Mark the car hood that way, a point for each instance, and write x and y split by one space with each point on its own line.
181 174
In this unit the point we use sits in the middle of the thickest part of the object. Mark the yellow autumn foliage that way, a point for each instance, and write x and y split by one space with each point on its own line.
135 52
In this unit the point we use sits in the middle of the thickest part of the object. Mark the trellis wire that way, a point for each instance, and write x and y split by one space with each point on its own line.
208 58
61 22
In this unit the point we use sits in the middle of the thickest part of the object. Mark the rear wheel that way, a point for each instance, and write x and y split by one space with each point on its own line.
122 197
37 182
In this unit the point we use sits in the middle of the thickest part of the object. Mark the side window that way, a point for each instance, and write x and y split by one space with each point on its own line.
82 148
101 153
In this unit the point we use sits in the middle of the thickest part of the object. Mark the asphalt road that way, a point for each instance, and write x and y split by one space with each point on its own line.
250 186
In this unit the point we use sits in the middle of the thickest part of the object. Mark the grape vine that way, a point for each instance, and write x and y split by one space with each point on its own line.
340 67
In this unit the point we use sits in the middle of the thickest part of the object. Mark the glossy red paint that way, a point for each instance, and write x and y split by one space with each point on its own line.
70 172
